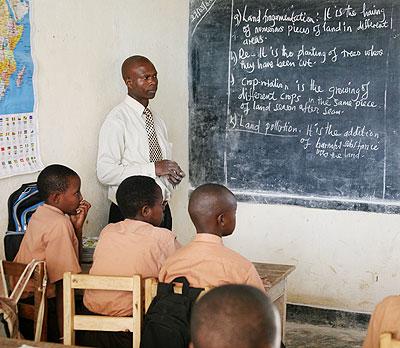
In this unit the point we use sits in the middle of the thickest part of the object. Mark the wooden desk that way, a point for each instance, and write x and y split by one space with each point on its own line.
12 343
274 277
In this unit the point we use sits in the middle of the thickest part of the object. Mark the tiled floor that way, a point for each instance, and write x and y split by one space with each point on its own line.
314 336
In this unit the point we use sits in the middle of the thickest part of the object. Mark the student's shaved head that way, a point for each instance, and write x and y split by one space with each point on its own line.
239 316
207 203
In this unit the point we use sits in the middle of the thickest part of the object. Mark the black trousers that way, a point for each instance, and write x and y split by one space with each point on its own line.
116 216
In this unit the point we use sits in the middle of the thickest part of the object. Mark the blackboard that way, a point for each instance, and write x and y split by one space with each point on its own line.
297 102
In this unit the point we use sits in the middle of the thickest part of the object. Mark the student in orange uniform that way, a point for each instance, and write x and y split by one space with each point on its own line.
235 316
54 233
206 261
385 318
133 246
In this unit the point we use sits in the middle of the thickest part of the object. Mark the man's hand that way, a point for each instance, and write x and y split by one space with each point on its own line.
79 218
171 170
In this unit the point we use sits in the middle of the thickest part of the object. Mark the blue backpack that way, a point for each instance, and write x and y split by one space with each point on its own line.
22 203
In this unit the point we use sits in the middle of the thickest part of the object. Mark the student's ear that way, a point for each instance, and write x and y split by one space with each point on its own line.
54 198
221 219
145 211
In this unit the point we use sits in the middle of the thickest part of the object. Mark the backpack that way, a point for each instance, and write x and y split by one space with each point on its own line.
167 321
22 203
8 303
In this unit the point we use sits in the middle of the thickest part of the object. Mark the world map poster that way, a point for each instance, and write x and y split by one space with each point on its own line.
19 146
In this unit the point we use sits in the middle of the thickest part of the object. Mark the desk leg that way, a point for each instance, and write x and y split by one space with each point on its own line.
280 303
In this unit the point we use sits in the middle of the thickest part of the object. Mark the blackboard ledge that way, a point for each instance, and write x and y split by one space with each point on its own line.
320 202
335 203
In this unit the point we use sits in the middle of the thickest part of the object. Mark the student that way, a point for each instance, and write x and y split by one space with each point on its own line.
133 140
54 233
385 318
133 246
206 261
237 316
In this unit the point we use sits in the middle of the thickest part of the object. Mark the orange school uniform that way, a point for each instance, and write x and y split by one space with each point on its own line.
50 236
207 262
385 318
126 248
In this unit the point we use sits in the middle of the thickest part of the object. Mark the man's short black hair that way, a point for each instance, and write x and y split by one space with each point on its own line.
134 193
54 179
234 316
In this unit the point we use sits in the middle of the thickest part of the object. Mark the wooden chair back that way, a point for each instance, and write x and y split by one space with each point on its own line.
387 341
150 291
73 322
12 271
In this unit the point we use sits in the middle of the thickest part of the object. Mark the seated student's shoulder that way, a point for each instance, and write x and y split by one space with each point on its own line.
136 229
241 270
181 254
221 255
51 221
235 257
162 234
49 214
389 303
385 318
392 300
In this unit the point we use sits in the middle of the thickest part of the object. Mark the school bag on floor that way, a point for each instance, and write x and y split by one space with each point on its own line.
8 303
167 321
22 203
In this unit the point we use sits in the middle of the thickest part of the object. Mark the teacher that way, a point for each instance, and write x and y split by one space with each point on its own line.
133 139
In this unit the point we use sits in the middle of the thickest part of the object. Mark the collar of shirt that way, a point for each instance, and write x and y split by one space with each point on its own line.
135 105
208 238
50 207
135 224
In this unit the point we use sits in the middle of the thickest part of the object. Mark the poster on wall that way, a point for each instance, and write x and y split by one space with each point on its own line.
19 140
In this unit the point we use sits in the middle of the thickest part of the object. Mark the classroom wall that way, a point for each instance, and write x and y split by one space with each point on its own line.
345 260
78 48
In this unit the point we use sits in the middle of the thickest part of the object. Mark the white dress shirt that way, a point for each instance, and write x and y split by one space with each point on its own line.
124 147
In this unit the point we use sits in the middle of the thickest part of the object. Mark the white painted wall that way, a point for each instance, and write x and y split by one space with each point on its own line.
345 260
79 47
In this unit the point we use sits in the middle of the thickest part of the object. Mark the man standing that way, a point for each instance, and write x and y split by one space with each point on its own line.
133 141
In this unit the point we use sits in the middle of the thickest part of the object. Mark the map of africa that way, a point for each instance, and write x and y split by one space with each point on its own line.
16 66
19 148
